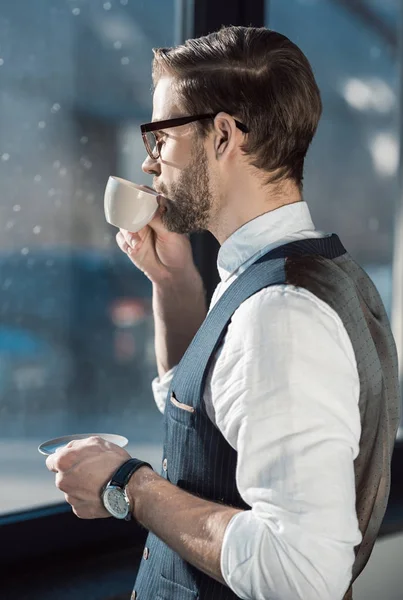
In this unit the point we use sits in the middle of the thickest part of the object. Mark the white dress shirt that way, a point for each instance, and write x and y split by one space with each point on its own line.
283 390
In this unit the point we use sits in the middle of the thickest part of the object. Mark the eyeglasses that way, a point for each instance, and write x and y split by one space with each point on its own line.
153 144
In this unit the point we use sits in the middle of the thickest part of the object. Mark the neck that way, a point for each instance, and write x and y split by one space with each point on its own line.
242 205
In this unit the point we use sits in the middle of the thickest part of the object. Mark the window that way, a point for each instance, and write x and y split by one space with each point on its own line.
351 170
76 329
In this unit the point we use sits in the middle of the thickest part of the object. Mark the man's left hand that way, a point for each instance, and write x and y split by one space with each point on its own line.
83 468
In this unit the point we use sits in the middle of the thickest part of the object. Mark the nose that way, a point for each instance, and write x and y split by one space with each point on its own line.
151 166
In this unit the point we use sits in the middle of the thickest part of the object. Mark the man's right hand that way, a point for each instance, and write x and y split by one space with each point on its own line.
179 303
160 254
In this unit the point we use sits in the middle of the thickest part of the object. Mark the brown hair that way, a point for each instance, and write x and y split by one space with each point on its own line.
258 76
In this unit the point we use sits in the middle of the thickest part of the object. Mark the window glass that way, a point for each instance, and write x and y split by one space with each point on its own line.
351 182
76 328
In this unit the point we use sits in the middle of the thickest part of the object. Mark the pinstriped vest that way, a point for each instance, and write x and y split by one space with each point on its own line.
198 459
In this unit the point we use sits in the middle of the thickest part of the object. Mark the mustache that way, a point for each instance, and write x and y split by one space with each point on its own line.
161 189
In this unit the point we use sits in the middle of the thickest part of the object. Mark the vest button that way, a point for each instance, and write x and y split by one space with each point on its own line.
146 553
134 595
165 465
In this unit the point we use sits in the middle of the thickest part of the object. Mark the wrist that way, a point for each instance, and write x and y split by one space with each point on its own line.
188 277
136 488
184 293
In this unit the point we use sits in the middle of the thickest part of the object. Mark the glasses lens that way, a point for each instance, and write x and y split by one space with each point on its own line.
151 144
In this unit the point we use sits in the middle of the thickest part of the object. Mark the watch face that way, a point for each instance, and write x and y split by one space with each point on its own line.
115 502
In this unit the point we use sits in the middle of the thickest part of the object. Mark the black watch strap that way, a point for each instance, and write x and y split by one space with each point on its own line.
121 477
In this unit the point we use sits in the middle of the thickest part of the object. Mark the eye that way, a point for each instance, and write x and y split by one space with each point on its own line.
160 136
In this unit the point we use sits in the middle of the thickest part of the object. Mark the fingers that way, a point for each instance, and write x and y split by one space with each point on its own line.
123 244
128 242
66 456
61 461
60 482
50 463
131 239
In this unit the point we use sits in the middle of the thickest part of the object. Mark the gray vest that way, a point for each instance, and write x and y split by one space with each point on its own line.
198 459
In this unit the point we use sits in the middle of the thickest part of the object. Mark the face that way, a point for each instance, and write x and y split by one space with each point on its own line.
181 174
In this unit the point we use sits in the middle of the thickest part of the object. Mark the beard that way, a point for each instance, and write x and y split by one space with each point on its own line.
188 201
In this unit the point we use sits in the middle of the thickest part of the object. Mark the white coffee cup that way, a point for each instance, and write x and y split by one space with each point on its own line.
128 205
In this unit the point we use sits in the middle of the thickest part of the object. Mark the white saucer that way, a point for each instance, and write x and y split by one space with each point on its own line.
51 446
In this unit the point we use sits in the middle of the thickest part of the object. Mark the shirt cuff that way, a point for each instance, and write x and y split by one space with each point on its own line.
228 565
160 387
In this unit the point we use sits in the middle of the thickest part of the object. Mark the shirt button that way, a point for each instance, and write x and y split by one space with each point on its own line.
134 595
146 553
165 465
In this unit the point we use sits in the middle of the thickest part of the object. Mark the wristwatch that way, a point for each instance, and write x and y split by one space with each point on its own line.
114 495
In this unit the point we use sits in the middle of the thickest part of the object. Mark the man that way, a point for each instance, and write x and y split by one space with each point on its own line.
281 405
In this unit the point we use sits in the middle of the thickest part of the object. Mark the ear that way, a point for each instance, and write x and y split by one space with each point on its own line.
225 135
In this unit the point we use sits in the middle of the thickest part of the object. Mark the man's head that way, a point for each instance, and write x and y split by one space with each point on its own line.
252 76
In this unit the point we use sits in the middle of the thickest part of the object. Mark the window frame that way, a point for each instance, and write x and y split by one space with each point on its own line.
49 532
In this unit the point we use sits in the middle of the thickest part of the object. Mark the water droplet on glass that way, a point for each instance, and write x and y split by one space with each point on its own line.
117 45
125 60
63 171
37 229
5 156
83 140
51 192
38 178
16 208
50 262
7 284
25 251
41 125
76 11
55 108
78 193
87 164
57 164
1 62
58 203
90 198
124 2
10 224
107 6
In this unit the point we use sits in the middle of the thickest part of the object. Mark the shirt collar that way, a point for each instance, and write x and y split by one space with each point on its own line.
267 231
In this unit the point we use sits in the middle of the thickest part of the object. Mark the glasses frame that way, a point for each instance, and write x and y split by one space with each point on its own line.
168 123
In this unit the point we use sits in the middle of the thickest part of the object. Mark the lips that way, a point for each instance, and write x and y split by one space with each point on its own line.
162 203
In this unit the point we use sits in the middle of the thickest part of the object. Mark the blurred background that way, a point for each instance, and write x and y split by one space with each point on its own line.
76 328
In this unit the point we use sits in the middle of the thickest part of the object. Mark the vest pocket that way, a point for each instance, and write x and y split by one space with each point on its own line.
180 412
169 590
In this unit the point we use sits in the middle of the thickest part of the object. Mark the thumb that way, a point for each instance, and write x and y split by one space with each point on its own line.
156 222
